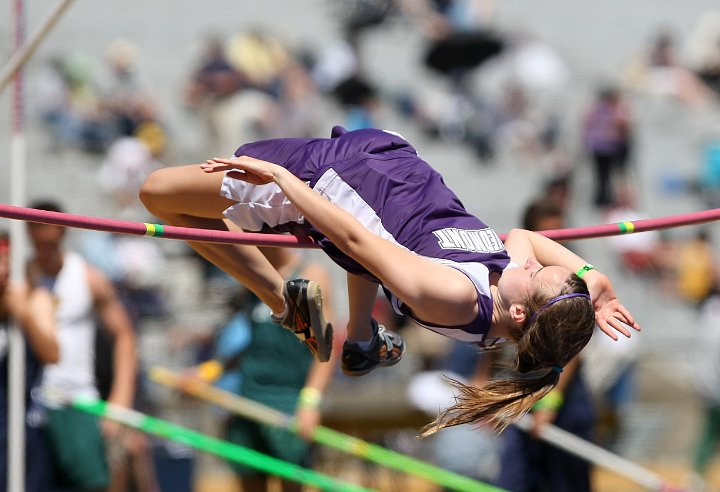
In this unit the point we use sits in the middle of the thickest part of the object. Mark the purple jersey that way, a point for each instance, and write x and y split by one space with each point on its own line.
377 177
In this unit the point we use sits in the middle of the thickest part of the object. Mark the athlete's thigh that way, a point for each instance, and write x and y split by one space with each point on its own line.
186 190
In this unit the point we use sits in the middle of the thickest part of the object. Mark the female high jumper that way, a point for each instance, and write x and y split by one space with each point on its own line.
386 217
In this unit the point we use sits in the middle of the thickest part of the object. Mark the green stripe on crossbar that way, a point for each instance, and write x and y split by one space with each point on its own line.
626 227
154 230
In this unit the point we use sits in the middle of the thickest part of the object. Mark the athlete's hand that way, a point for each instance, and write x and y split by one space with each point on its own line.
244 168
307 420
610 314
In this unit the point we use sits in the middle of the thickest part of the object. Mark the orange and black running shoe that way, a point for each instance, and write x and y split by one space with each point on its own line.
305 317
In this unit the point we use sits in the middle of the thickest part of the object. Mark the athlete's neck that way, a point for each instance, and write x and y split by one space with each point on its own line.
500 317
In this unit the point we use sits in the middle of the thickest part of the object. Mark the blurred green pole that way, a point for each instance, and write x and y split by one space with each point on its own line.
322 435
234 452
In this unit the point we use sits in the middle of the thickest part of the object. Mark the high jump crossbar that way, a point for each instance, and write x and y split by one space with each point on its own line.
287 241
154 230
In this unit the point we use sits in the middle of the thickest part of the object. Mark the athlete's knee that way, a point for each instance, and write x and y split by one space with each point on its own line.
154 188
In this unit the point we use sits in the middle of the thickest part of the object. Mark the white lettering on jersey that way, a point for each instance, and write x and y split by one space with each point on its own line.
477 241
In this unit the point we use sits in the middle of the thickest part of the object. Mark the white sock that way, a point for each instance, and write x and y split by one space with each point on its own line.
282 315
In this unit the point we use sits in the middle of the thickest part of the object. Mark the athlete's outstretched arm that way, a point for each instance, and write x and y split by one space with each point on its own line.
610 314
435 293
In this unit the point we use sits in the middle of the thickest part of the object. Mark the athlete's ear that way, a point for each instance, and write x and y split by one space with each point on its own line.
518 313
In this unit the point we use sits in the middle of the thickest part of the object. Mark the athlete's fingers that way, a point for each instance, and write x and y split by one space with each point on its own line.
628 317
605 328
621 316
241 162
262 169
618 325
213 167
220 165
627 325
243 171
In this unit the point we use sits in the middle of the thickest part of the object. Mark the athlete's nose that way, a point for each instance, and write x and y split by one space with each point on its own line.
531 263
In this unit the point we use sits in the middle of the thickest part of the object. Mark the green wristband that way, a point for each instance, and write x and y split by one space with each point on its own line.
310 397
552 401
586 268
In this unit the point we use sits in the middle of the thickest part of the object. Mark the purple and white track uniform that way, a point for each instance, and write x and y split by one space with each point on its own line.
379 179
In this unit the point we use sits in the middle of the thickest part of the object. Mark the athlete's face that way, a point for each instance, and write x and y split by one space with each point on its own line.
517 284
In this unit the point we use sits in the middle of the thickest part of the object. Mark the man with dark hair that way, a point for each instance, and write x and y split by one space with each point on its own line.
82 293
542 215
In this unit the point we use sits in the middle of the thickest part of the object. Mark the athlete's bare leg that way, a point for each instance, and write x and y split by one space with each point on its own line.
362 295
188 197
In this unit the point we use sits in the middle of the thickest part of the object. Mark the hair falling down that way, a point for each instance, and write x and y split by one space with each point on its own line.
497 404
558 328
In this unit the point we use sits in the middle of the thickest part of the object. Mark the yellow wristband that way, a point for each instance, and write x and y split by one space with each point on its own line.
552 401
310 397
586 268
210 371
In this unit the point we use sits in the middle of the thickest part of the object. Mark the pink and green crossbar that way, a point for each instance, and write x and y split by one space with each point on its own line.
287 241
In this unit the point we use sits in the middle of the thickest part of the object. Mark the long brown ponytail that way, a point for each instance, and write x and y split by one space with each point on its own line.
552 336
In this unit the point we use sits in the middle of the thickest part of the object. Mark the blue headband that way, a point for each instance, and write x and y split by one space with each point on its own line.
553 301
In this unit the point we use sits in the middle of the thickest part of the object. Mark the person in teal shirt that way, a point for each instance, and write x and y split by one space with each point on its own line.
267 363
